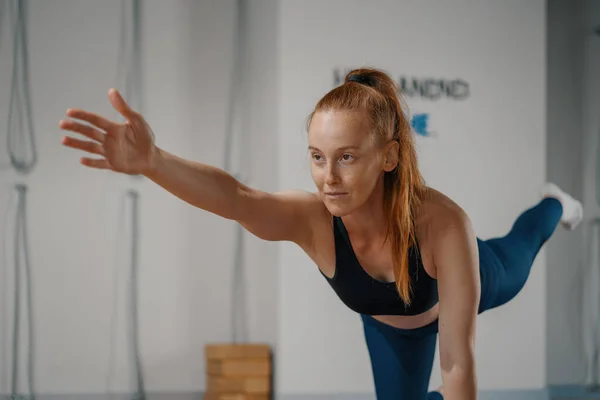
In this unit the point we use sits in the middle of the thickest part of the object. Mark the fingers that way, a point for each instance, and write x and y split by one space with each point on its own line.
120 105
92 118
95 163
85 130
85 145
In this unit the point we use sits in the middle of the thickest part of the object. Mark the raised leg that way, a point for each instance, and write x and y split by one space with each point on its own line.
505 262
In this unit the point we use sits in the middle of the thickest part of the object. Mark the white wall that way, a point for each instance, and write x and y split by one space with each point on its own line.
565 150
73 212
489 155
591 128
186 255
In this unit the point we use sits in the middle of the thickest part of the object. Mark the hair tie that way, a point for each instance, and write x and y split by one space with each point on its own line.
362 79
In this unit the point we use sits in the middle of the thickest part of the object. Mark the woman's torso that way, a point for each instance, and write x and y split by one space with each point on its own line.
376 260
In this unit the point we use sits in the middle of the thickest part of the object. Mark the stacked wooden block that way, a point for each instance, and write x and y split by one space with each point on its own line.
238 372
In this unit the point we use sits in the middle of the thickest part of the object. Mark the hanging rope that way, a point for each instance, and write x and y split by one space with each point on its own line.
119 240
129 77
20 132
131 203
129 58
133 88
21 245
232 131
134 317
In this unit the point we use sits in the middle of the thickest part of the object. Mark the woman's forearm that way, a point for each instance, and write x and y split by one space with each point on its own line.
201 185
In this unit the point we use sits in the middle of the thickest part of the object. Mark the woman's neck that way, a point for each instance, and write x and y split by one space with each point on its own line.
369 223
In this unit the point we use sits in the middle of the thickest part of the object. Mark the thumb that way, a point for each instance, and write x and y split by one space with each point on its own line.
120 105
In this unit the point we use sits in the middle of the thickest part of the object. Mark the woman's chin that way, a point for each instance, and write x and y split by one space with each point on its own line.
338 210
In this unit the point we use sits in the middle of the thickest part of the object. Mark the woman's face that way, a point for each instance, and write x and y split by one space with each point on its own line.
347 160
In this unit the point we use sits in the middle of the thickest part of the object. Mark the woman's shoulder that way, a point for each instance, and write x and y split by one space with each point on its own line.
445 227
439 215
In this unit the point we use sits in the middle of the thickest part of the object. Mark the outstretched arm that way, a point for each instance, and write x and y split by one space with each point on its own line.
457 263
270 216
129 148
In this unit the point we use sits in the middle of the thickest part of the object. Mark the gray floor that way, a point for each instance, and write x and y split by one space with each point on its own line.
155 396
493 395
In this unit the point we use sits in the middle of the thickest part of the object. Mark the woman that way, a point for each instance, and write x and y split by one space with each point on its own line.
401 254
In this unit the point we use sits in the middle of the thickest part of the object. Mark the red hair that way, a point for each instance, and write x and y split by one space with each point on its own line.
376 93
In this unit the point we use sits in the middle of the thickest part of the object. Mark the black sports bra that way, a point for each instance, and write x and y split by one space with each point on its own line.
367 295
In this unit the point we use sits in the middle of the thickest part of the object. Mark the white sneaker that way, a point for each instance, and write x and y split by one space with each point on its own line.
572 209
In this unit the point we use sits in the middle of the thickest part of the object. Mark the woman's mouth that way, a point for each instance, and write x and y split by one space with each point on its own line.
335 195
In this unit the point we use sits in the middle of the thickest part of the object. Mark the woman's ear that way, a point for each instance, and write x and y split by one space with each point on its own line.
391 157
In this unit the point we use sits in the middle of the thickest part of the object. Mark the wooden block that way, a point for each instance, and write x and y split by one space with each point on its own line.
223 351
235 396
217 384
239 367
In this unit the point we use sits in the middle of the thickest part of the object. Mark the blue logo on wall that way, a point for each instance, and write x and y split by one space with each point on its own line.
419 124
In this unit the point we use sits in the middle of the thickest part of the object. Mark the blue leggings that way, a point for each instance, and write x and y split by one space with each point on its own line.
402 359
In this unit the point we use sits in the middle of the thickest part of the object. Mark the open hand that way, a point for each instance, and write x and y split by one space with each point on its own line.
124 147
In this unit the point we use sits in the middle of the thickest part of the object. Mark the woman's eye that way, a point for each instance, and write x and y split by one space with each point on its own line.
347 157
